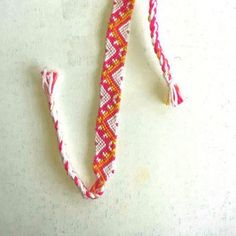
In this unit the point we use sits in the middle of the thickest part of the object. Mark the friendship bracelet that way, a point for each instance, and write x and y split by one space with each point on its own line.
110 95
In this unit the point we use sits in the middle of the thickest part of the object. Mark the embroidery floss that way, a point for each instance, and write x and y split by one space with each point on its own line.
110 95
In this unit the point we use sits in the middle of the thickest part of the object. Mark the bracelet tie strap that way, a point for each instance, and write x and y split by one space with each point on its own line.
110 95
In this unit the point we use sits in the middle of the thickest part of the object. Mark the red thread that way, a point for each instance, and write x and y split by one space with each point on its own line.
76 180
54 80
56 125
60 145
66 165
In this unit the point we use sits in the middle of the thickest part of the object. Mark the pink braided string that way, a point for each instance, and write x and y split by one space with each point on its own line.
175 97
49 81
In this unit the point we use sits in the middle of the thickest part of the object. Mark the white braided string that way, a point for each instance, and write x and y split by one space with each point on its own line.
174 94
48 83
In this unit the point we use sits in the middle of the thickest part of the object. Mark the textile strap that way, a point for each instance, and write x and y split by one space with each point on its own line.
110 95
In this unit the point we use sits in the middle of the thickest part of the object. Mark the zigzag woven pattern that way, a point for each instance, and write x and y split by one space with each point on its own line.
110 95
112 77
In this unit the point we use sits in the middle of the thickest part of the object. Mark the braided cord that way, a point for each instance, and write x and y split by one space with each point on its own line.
175 97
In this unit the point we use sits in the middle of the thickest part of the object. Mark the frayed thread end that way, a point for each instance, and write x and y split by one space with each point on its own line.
175 97
49 79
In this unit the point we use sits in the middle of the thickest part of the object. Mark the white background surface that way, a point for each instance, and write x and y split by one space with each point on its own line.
176 167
